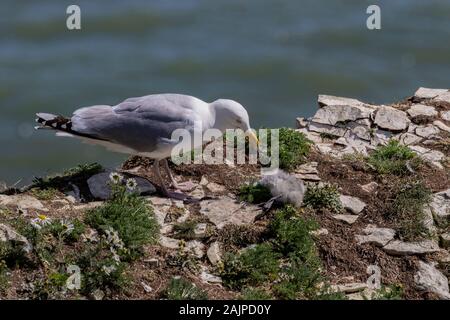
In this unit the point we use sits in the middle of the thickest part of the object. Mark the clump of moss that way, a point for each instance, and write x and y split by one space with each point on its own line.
44 194
185 230
251 266
323 196
254 193
394 158
129 215
406 210
181 289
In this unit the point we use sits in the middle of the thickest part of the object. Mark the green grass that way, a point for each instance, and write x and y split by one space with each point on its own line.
251 266
185 230
44 194
129 215
393 158
406 210
323 196
254 193
392 292
255 294
182 289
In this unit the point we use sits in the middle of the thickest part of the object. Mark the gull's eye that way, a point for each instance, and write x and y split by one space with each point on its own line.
238 121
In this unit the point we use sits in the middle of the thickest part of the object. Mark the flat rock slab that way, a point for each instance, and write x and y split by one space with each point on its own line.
445 115
326 100
214 253
8 234
430 279
99 186
421 110
391 119
440 207
195 247
400 248
341 113
347 218
442 126
428 93
349 287
353 204
225 210
22 201
377 236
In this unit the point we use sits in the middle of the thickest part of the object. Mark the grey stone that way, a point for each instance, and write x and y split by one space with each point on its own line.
347 218
377 236
207 277
433 156
430 279
8 234
195 247
391 119
214 253
328 129
200 230
370 187
349 287
408 138
428 93
401 248
97 294
333 115
353 204
320 232
22 201
225 210
440 207
443 97
421 110
152 262
301 123
441 125
308 172
100 188
427 131
215 188
326 100
445 115
146 287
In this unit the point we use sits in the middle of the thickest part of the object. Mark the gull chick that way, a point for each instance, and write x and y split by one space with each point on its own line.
144 125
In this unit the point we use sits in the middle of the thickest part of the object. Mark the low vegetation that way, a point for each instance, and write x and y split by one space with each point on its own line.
394 158
323 196
254 193
182 289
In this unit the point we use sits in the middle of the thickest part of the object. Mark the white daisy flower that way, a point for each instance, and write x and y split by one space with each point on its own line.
40 221
131 184
115 178
67 226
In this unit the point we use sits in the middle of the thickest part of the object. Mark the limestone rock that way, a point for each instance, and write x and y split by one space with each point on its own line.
440 207
195 247
214 253
335 114
401 248
353 204
391 119
207 277
370 187
301 122
445 115
308 172
408 138
433 156
328 129
445 240
421 110
225 210
377 236
200 230
8 234
347 218
441 125
349 287
430 279
427 93
427 131
320 232
22 201
215 188
326 100
443 97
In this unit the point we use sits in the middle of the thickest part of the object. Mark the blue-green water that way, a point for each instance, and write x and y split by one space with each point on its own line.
274 56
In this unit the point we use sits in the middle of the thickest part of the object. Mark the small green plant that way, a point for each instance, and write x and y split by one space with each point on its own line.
392 292
185 230
292 233
323 196
254 193
129 215
294 147
4 278
394 158
181 289
249 293
407 210
251 266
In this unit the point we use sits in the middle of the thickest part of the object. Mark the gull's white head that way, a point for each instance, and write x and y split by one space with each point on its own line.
230 114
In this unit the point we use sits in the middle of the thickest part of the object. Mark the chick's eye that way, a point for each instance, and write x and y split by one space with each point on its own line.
239 121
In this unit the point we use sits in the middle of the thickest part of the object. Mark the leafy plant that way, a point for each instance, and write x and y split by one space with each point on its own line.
254 193
393 158
319 196
252 266
181 289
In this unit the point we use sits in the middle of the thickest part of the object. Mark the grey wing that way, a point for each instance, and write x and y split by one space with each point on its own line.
138 123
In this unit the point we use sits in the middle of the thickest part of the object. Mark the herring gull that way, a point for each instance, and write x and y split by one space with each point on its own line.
144 125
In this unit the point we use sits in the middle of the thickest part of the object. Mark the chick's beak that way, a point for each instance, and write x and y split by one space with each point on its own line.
252 136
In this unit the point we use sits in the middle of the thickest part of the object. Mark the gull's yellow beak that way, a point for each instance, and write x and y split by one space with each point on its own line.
252 136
